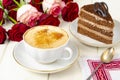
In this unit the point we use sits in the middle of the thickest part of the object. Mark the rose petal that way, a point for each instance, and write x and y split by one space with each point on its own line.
46 19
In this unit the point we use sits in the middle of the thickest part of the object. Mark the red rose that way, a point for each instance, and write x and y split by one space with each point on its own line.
46 19
12 11
1 16
37 4
2 35
66 1
8 3
70 11
17 31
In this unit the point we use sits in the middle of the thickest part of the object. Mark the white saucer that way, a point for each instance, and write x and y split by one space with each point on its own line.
91 42
29 63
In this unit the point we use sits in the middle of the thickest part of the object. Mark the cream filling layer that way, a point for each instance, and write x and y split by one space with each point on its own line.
96 25
94 32
96 17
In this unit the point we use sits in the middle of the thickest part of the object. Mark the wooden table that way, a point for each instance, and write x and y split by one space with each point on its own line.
10 70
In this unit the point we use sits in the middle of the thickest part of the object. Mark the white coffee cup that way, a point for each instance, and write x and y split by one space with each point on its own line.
45 54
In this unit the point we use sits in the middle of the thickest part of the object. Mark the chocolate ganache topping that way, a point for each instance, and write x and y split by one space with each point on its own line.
101 8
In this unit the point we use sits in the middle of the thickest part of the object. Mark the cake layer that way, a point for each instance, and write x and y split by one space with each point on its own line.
94 26
96 19
94 34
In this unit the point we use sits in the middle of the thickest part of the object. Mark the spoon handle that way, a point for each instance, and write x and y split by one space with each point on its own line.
94 71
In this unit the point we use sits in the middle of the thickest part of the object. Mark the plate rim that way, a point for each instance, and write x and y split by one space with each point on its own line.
45 71
91 44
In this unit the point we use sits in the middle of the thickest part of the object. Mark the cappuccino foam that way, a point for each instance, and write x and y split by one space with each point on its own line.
46 37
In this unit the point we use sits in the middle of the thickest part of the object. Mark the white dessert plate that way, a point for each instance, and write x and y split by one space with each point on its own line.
29 63
92 42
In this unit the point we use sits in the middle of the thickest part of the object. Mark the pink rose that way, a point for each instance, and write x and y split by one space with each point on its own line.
53 7
55 10
28 15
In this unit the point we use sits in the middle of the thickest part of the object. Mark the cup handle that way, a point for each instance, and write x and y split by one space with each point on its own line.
69 50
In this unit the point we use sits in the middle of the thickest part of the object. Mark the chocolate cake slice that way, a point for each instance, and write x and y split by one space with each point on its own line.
95 22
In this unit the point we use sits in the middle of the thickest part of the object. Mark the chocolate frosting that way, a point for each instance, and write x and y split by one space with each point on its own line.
90 8
101 8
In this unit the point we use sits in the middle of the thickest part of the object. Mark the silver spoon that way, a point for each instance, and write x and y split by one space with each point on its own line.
106 57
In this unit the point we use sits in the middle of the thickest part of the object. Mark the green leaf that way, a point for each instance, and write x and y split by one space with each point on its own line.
22 2
1 22
13 20
0 1
46 11
18 4
1 4
15 9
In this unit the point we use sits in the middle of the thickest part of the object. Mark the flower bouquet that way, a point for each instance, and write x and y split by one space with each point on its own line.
27 14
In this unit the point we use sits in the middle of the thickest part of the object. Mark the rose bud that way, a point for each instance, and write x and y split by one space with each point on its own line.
53 7
46 19
70 11
17 31
1 16
28 15
66 1
37 4
2 35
